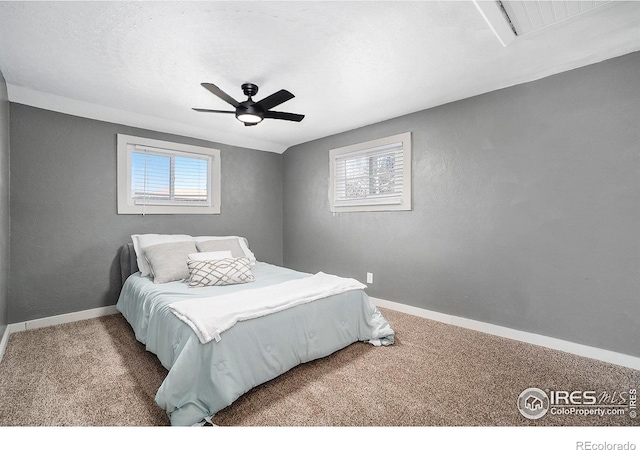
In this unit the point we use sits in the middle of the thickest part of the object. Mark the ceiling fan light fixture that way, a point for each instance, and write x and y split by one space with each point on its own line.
248 112
248 117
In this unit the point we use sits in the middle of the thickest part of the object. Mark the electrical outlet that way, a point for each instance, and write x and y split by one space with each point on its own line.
369 278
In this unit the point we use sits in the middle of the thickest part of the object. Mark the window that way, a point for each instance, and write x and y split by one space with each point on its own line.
157 177
371 176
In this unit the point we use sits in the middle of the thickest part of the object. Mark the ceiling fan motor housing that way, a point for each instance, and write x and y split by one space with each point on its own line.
251 108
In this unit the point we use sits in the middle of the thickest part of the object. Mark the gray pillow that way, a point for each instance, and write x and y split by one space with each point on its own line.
168 261
218 245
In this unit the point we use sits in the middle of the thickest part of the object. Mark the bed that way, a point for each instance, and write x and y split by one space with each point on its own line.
206 375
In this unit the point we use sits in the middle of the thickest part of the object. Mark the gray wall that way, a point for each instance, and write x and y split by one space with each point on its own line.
65 231
526 209
4 205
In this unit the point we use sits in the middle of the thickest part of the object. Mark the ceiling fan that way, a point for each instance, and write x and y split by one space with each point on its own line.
250 112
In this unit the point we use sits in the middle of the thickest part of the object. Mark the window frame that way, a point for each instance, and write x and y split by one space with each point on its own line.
365 204
126 203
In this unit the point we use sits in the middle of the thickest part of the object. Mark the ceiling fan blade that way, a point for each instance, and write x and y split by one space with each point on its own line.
283 116
213 111
215 90
275 99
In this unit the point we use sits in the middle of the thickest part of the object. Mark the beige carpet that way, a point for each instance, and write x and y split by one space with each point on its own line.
94 373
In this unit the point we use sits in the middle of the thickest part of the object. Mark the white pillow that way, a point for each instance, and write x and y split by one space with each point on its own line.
142 241
243 244
210 256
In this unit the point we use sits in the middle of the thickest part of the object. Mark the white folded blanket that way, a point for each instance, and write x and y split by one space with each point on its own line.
210 316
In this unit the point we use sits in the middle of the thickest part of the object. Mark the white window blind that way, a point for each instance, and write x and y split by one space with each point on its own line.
375 175
163 177
372 176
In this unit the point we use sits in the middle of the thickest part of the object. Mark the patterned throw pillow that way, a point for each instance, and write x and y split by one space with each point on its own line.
220 272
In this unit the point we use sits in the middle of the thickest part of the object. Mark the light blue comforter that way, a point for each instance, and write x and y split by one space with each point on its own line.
205 378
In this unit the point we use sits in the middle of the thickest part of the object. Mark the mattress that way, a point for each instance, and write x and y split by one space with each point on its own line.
203 379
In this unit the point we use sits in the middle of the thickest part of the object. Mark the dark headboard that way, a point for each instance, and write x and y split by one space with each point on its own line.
128 261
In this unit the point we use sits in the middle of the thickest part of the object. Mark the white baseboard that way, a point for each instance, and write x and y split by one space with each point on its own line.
62 318
608 356
4 339
53 320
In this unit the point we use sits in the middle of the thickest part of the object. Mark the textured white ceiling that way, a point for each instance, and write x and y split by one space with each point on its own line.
349 64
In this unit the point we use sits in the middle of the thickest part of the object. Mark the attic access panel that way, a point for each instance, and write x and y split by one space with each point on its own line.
528 16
